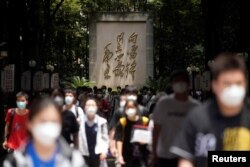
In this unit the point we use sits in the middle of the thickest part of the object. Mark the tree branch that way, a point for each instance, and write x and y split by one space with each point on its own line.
57 8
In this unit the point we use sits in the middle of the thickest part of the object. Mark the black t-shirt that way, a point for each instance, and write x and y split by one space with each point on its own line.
70 125
124 134
116 116
119 113
206 129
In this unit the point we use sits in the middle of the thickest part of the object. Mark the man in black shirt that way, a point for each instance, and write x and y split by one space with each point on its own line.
222 123
70 128
70 124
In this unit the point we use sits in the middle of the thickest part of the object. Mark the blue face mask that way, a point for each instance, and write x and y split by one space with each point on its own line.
69 100
21 105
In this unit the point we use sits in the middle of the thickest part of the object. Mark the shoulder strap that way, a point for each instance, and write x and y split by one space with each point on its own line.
77 113
145 121
123 121
12 115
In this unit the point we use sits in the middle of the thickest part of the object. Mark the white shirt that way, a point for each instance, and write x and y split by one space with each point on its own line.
170 114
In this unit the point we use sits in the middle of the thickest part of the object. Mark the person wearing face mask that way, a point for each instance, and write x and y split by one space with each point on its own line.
57 96
168 117
45 147
131 154
70 126
222 123
15 133
119 113
93 135
70 100
132 94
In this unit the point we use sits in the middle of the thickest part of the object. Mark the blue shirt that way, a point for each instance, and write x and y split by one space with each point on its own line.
37 161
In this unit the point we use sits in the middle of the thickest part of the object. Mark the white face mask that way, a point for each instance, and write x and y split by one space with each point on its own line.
46 133
131 112
233 96
132 97
91 111
180 87
122 103
69 100
59 100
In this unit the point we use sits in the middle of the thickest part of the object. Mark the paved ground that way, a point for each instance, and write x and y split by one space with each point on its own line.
111 162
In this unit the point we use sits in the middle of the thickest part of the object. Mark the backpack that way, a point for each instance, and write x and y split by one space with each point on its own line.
12 115
123 121
77 113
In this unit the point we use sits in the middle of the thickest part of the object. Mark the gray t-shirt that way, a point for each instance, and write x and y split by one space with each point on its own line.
170 114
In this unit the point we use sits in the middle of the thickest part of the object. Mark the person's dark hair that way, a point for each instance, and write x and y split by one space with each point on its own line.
22 94
71 91
123 92
226 62
38 105
178 73
99 91
90 98
131 90
57 92
136 104
109 89
104 87
118 87
90 90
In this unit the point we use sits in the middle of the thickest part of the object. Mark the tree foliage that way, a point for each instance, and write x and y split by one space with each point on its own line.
77 81
56 32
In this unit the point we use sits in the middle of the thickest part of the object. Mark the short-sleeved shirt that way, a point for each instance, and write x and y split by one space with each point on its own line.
116 116
37 161
206 129
170 114
18 131
119 113
124 134
77 111
70 125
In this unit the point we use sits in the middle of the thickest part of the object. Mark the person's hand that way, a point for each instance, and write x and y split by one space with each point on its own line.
121 160
5 145
103 156
113 151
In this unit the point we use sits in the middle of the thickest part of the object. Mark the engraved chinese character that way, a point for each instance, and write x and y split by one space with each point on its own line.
119 42
118 57
133 52
107 54
106 72
132 69
133 38
119 69
127 69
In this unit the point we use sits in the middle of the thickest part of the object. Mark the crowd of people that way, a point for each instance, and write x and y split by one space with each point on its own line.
136 128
